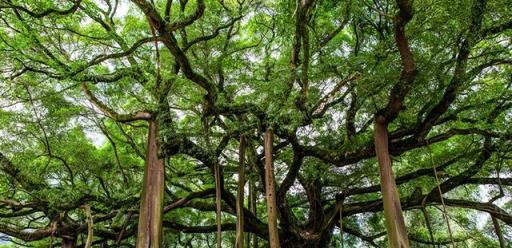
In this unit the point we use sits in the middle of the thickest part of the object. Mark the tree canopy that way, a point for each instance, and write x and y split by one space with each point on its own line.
303 123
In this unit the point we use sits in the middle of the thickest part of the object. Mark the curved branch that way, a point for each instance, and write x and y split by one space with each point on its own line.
140 115
46 12
189 19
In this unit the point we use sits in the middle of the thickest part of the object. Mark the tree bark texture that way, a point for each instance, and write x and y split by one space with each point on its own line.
149 234
270 192
395 224
240 196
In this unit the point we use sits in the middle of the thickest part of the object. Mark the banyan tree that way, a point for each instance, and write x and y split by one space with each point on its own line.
255 123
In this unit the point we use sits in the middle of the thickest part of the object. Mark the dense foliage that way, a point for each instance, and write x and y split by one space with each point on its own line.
82 82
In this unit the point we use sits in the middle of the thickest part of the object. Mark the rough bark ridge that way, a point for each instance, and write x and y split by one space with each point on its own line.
270 192
149 233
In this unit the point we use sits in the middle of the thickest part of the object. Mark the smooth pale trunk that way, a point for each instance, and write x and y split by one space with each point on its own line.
270 192
395 224
252 197
240 196
252 208
149 234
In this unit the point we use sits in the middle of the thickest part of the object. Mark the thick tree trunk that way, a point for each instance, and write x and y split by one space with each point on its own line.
68 242
395 224
240 196
149 234
253 194
270 192
499 233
